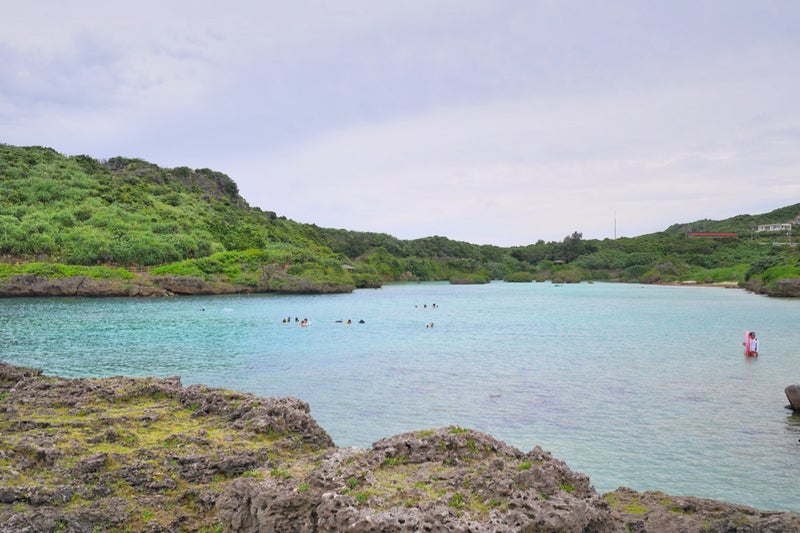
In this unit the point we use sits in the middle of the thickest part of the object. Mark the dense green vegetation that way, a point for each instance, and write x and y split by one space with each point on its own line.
59 214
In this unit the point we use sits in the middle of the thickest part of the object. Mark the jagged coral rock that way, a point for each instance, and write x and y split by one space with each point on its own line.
147 454
449 479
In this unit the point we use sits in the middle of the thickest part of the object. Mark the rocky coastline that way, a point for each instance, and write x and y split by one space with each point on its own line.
146 285
148 454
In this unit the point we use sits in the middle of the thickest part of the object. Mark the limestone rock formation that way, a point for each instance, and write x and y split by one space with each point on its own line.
33 285
793 394
449 479
148 454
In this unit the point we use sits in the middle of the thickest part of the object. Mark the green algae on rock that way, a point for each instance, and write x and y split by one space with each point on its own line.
147 454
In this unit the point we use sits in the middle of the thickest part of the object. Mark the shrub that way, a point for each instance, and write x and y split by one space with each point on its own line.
469 279
519 277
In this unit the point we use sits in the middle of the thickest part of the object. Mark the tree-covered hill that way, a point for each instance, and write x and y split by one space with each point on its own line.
123 211
131 213
74 215
744 225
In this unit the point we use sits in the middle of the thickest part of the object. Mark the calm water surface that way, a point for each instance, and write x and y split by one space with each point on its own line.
639 386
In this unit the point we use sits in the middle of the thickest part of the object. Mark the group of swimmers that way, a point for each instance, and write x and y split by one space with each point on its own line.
425 306
303 323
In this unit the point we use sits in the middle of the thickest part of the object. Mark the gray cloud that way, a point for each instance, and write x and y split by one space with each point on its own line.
500 122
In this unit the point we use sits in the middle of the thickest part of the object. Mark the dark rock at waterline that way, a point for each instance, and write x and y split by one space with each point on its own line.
24 285
145 285
27 285
793 394
147 454
781 288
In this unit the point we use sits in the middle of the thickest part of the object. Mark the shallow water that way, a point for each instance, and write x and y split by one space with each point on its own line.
641 386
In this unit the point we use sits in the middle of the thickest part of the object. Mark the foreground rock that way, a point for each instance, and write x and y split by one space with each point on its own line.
450 479
147 454
793 395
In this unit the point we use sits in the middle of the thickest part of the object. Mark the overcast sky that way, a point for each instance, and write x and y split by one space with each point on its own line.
492 122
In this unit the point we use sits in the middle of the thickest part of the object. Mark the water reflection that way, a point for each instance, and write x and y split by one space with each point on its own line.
793 426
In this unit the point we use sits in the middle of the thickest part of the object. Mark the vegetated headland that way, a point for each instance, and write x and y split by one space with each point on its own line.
147 454
73 225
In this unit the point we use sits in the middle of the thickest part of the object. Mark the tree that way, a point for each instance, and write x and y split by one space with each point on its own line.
572 246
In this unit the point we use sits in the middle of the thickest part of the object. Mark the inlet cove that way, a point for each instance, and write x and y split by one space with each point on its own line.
636 386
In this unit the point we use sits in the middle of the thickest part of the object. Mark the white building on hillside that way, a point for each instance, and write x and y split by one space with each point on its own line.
774 227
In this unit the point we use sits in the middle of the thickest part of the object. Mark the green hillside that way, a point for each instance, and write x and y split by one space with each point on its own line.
745 225
67 216
125 211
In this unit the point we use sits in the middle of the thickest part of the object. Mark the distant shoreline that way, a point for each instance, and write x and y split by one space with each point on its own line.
692 283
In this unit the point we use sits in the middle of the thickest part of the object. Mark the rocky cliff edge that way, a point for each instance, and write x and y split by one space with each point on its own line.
147 454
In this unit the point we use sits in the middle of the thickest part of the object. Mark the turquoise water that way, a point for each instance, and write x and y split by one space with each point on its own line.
638 386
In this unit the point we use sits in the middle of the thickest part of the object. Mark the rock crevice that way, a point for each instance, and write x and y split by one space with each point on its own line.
148 454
